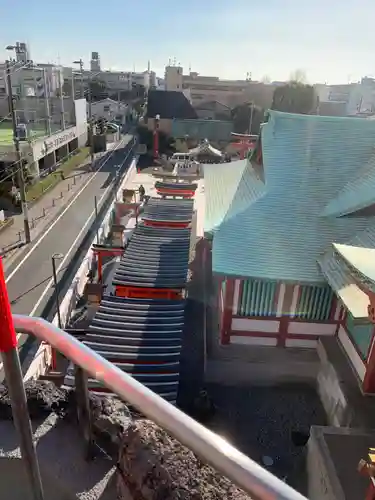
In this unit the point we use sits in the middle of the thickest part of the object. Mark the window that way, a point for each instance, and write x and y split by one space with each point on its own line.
257 298
107 108
314 302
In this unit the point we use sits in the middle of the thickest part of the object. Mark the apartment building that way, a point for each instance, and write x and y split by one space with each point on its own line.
114 81
352 98
211 88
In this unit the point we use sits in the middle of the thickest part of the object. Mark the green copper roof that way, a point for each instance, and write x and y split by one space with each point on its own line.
280 233
357 194
229 189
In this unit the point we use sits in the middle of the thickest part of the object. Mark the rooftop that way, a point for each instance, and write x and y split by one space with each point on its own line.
6 134
169 105
284 223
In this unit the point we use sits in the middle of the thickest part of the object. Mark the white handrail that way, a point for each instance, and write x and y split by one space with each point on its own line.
244 472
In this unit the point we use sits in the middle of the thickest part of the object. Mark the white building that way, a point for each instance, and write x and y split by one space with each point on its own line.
38 80
110 110
355 98
42 150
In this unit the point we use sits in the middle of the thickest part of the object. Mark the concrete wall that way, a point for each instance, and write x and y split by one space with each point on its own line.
332 392
323 483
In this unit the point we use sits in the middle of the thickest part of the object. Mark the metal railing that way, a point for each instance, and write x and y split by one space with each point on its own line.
244 472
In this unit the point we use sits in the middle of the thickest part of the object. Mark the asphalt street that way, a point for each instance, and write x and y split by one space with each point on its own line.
29 279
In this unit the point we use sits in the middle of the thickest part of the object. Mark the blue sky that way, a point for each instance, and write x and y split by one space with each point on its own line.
330 40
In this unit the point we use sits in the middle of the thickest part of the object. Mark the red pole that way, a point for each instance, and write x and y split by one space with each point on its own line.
156 138
8 337
14 379
100 272
53 359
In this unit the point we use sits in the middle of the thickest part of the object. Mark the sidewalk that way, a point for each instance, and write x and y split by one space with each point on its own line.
45 210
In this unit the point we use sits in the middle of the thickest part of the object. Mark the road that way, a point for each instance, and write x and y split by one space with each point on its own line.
29 281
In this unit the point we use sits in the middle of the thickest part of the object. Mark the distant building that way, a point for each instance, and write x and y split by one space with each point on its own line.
95 62
37 80
212 88
168 106
47 140
110 110
354 98
114 81
213 110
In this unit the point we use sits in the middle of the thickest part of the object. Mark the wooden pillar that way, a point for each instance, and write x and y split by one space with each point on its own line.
370 494
333 311
227 313
100 269
369 380
287 307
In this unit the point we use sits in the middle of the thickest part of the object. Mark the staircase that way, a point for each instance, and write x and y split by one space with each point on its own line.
142 337
139 329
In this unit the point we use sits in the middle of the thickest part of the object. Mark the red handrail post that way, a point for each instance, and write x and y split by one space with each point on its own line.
14 379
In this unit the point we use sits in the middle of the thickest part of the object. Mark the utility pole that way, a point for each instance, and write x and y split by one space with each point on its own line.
19 165
46 102
91 131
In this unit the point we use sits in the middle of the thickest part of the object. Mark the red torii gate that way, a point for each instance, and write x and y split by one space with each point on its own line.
101 251
243 143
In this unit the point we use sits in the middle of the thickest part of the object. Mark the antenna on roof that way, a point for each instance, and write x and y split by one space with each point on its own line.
189 67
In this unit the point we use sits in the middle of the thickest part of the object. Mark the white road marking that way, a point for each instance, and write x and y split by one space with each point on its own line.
39 241
21 337
50 283
66 256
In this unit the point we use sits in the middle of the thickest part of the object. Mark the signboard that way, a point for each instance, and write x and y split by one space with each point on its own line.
47 145
54 142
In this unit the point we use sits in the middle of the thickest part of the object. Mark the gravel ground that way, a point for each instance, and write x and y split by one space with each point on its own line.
155 466
257 420
260 421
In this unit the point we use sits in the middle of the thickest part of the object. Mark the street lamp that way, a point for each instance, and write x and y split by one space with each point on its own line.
19 168
56 256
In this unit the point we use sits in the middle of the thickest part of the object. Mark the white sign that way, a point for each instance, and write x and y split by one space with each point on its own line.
46 145
54 142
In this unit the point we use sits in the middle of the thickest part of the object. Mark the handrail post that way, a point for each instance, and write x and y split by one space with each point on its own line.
84 410
14 379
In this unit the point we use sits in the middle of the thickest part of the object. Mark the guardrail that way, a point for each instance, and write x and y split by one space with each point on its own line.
213 449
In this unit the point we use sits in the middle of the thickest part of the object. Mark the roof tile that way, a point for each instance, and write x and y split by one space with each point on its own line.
307 161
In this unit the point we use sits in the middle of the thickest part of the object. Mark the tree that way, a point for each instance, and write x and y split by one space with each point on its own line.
246 115
299 75
295 97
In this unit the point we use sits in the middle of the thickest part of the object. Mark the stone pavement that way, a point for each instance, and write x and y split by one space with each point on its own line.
44 211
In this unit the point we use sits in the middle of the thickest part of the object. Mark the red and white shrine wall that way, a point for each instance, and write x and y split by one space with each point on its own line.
266 313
